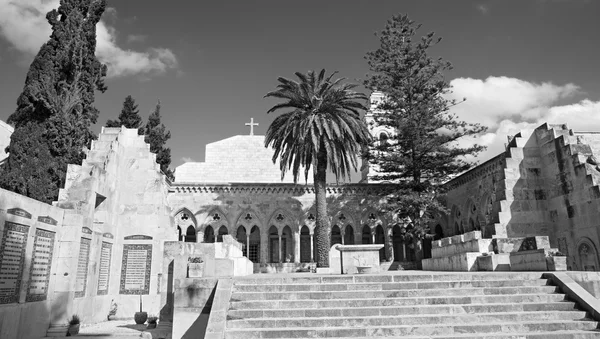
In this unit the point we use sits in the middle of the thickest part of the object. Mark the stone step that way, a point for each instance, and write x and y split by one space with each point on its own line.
381 278
402 310
415 320
439 330
387 285
300 295
378 302
537 335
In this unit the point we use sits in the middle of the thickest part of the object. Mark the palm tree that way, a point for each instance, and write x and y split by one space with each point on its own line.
322 129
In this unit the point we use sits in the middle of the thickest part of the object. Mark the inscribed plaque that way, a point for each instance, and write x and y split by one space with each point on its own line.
12 259
135 269
104 272
41 262
82 267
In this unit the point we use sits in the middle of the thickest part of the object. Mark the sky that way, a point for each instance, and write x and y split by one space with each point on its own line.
519 63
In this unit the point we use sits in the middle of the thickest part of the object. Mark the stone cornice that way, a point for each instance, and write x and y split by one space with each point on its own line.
269 188
486 168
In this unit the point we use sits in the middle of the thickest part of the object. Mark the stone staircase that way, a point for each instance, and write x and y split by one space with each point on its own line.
417 305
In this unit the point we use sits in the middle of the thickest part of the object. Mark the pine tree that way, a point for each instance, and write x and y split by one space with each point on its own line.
56 104
423 152
129 117
156 135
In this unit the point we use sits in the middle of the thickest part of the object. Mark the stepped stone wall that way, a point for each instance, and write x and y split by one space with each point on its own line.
545 184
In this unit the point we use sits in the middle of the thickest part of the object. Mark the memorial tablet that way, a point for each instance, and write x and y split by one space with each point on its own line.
12 260
41 262
135 269
82 267
104 271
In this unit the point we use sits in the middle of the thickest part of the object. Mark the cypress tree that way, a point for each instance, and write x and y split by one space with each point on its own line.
55 110
156 135
129 117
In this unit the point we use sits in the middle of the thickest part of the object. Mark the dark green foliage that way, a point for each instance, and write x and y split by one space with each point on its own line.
156 135
321 129
129 117
423 152
57 101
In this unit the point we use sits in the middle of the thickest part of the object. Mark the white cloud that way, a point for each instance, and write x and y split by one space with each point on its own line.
509 105
23 24
483 9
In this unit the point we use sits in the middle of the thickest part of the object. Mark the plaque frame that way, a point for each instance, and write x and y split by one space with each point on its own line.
47 234
126 249
110 248
11 226
80 294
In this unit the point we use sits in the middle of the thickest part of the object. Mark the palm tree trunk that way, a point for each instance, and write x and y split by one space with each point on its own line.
322 222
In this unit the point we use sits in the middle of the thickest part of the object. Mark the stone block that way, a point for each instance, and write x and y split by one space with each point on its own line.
532 260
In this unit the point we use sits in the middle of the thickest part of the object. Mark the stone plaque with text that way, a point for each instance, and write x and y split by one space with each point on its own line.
12 260
82 267
135 269
41 262
104 271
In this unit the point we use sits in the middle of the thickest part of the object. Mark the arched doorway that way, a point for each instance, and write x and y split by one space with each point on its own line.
366 235
380 239
336 235
403 247
273 245
439 232
588 258
209 234
349 235
243 239
254 250
190 234
304 244
222 231
287 245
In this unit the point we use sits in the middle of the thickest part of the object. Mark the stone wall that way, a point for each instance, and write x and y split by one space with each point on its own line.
546 184
30 271
241 158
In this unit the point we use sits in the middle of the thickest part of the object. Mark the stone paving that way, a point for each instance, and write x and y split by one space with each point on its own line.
121 329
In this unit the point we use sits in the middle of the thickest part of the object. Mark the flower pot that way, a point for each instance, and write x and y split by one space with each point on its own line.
195 270
73 330
364 269
151 325
140 317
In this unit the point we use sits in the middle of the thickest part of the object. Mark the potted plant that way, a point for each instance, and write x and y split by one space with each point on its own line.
288 258
195 267
152 321
140 317
361 266
73 325
556 261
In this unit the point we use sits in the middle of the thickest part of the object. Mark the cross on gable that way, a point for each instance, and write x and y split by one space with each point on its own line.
252 124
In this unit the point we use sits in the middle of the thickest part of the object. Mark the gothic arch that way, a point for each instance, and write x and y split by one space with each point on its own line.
282 218
185 210
249 219
184 221
308 219
455 220
216 218
587 255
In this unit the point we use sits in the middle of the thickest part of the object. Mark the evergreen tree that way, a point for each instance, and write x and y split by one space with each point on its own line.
423 152
129 117
156 135
56 105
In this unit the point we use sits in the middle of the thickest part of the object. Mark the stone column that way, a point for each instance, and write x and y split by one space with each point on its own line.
297 247
373 230
247 245
389 243
281 254
312 251
264 249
